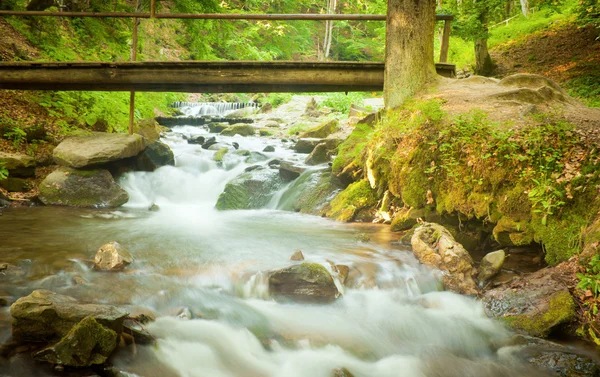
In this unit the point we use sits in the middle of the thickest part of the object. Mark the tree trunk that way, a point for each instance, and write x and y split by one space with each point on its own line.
483 61
525 7
331 5
409 49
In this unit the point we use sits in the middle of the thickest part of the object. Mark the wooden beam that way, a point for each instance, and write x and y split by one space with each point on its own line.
445 42
198 76
214 16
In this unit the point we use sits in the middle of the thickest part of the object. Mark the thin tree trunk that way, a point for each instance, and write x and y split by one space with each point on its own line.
483 61
409 49
331 5
525 7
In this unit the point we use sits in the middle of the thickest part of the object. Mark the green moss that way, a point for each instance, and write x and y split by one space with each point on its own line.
239 129
323 130
220 154
352 149
314 272
265 132
509 232
561 309
355 197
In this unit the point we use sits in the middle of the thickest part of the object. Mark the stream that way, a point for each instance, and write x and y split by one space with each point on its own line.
209 265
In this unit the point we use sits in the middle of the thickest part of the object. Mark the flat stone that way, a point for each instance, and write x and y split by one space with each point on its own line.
45 315
97 149
18 164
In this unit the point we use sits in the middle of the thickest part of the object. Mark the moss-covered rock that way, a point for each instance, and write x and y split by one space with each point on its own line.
323 130
81 188
509 232
534 304
218 157
349 202
217 127
319 155
307 145
250 190
239 129
44 315
311 193
87 343
17 164
149 129
306 282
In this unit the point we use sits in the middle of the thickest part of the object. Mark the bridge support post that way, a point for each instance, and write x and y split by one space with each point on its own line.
445 42
134 40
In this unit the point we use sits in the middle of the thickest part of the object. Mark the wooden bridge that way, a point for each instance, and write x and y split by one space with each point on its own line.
200 76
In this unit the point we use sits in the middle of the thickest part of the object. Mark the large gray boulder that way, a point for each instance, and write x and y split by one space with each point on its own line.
534 304
81 188
250 190
433 245
17 164
97 149
311 193
45 315
306 282
87 343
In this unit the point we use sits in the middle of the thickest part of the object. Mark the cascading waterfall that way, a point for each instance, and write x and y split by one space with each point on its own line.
212 108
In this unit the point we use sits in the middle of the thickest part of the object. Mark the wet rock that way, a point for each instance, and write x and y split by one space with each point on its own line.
45 315
154 156
297 256
343 272
433 245
235 145
97 149
87 343
288 171
306 282
240 113
218 157
323 130
196 140
558 359
274 163
139 334
253 167
307 145
269 148
342 372
242 152
217 127
533 304
217 146
490 266
17 164
78 280
250 190
81 188
311 193
112 257
153 207
254 157
185 313
239 129
319 155
209 142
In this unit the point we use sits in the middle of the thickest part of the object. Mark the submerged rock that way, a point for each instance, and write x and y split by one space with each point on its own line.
218 157
269 148
82 188
490 266
250 190
154 156
306 282
199 140
534 304
97 149
434 245
112 257
87 343
17 164
45 315
558 359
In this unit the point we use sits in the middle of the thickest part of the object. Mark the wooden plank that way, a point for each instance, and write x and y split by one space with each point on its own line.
445 42
201 77
214 16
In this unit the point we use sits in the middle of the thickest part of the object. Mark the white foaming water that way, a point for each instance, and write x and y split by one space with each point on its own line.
389 322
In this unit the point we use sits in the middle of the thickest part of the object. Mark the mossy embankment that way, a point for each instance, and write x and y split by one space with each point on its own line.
516 159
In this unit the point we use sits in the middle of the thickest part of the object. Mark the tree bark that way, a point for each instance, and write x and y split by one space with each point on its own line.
409 61
483 61
331 5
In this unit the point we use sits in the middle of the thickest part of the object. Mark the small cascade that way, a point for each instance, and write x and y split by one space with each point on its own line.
212 108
